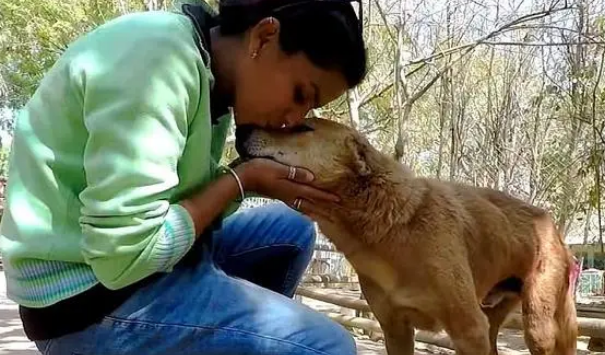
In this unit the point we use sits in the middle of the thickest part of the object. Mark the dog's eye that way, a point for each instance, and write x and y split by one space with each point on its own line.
301 129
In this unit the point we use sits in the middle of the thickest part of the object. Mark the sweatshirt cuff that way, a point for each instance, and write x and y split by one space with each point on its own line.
176 237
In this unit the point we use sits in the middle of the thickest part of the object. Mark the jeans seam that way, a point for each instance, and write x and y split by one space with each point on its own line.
201 327
263 247
47 346
288 276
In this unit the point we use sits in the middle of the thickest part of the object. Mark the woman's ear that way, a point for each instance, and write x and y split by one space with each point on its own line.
264 33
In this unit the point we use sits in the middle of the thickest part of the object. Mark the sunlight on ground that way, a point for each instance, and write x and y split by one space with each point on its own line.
14 342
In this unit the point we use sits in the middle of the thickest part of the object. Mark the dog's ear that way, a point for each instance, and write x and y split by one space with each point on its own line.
358 158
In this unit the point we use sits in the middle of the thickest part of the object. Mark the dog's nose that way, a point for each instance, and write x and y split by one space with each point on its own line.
242 134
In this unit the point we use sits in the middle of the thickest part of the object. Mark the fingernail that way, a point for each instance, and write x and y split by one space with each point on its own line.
310 177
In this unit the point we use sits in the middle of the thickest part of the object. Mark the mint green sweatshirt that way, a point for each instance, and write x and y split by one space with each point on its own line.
117 133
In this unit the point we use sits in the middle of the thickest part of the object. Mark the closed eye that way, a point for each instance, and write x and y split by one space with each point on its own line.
301 129
299 96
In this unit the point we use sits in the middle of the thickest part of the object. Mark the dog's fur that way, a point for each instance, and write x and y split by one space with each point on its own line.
432 254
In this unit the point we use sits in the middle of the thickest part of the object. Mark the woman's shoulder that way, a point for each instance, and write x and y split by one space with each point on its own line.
142 41
150 33
145 27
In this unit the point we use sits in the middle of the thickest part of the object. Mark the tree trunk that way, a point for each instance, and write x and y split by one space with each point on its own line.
577 61
353 104
404 106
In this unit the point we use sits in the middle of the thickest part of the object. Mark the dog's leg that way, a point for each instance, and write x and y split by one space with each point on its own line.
467 326
399 337
539 319
461 313
496 316
566 316
398 331
549 315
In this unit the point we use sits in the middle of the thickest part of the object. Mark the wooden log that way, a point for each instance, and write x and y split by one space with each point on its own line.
323 247
583 310
590 311
313 282
591 327
438 339
596 345
339 300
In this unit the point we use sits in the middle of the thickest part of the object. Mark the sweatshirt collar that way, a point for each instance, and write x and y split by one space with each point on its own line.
204 18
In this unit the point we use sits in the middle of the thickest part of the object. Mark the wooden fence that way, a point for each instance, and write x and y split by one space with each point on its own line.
593 326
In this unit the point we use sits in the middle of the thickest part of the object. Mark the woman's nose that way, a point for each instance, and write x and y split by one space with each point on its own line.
296 117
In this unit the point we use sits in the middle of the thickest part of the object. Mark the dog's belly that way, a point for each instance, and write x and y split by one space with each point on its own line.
418 306
418 319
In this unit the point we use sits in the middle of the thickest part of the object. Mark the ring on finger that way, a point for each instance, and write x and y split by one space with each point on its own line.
296 204
291 173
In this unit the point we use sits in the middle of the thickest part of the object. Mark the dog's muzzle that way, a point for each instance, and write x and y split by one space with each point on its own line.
242 135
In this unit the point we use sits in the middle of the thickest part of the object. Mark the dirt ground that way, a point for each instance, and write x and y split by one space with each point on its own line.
14 342
510 341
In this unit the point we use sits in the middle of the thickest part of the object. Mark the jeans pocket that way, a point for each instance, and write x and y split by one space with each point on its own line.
44 346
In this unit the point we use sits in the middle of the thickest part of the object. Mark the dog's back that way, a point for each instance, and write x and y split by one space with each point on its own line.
507 234
525 248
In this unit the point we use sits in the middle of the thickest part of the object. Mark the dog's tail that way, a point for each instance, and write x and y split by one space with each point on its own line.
565 314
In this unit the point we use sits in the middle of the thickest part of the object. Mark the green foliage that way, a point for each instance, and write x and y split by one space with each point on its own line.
34 33
4 156
599 23
524 114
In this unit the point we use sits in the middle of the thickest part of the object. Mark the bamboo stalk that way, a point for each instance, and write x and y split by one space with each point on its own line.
592 327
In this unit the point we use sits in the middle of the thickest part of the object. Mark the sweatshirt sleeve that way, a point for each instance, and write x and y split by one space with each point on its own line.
139 85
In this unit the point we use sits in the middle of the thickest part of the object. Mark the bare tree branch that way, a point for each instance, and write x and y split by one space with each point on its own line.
506 27
544 44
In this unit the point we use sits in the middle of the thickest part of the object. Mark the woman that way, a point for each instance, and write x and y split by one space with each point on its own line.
108 238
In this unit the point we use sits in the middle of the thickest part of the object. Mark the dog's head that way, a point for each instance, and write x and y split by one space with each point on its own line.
332 151
345 163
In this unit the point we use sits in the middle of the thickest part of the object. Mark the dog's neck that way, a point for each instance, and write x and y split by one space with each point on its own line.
384 199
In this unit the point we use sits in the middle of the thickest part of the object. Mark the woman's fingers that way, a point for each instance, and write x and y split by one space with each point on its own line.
290 182
313 211
291 173
299 175
313 194
297 204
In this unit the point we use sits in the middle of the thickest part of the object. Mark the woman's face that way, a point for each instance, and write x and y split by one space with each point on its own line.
273 89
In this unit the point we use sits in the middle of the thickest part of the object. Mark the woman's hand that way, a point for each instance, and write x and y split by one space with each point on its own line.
288 184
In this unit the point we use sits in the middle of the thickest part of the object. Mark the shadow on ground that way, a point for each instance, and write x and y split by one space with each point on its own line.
12 338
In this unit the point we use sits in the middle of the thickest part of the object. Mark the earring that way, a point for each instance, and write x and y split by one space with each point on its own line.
254 55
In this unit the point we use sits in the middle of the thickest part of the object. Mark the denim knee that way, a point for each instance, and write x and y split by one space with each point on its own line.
302 233
301 225
338 340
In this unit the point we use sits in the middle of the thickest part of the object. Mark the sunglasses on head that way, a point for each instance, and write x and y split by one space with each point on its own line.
357 9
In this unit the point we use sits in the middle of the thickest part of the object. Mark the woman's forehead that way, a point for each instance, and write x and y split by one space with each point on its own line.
328 84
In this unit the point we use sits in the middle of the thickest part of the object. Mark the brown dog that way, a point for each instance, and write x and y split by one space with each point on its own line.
431 254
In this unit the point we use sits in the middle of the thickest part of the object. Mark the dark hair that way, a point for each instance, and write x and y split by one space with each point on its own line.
327 32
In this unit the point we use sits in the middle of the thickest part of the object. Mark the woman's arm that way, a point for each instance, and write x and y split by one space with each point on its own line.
206 205
262 176
140 80
266 177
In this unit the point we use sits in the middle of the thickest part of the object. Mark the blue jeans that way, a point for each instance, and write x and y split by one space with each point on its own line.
236 300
